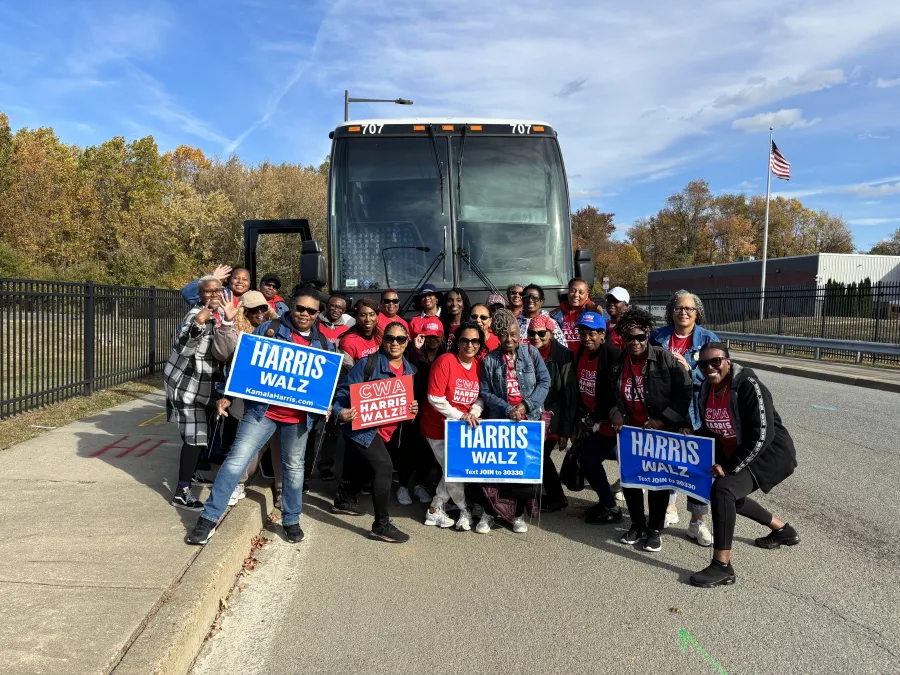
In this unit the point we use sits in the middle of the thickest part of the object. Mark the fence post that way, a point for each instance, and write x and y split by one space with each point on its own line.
89 338
152 352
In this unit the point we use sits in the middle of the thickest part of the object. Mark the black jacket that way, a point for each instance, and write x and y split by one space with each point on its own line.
765 448
561 400
668 390
423 368
604 387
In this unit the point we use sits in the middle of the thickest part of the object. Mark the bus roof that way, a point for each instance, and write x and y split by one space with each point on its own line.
441 120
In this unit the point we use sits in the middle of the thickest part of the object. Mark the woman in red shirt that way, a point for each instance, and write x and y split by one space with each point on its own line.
481 315
365 337
455 310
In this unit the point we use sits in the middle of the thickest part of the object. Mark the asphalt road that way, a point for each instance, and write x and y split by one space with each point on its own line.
567 597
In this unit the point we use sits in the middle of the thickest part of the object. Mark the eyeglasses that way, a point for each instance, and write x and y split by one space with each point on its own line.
684 310
635 337
532 298
390 301
300 309
214 291
270 283
340 307
391 339
257 310
715 362
465 342
476 317
538 333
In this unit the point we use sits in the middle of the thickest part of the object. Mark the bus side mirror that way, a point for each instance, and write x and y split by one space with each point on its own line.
312 263
584 266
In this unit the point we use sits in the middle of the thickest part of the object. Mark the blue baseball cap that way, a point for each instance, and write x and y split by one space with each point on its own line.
426 290
592 320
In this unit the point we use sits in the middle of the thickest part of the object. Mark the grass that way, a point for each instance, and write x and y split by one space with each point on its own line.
21 427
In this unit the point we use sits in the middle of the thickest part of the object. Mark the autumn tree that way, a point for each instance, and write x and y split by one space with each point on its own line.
889 246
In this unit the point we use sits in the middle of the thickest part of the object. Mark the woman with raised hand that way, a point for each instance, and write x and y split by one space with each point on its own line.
455 310
653 391
453 393
753 452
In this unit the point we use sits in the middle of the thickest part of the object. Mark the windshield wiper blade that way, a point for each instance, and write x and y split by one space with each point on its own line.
437 160
464 254
459 161
432 268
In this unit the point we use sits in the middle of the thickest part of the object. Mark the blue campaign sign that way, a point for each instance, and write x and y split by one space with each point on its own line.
659 460
496 451
286 374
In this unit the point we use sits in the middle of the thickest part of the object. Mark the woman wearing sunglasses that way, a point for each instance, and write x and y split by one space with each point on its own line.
390 309
372 446
481 315
532 303
753 452
653 391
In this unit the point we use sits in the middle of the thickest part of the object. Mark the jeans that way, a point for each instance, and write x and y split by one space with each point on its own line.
729 500
693 506
595 449
251 436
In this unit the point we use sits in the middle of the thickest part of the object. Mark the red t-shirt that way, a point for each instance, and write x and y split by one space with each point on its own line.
491 341
718 419
681 345
569 327
388 430
384 320
513 393
617 340
459 386
333 335
278 413
587 380
273 301
418 325
357 346
633 392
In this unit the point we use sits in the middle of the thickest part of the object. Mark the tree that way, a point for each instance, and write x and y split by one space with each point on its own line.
889 246
591 229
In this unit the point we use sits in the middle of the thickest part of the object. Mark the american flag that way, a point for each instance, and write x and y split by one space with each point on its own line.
779 165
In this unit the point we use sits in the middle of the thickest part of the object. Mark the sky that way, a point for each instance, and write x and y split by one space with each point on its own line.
644 96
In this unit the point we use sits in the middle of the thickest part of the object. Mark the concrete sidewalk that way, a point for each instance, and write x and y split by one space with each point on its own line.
96 560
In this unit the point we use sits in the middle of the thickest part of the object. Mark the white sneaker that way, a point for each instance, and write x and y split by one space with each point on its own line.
465 520
403 496
484 523
671 518
422 494
239 493
617 491
699 531
519 526
438 518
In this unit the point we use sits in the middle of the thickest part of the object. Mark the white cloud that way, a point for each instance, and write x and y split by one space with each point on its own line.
875 188
872 221
585 194
788 118
759 91
881 83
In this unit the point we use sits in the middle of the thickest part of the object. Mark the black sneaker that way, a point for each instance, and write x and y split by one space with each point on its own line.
633 536
388 532
185 499
293 533
202 532
786 536
552 505
326 475
601 514
653 542
716 574
199 480
346 504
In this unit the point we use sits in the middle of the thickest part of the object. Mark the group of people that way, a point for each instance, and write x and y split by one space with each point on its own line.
586 370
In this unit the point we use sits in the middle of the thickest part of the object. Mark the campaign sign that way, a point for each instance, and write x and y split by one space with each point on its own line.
382 402
286 374
496 451
659 460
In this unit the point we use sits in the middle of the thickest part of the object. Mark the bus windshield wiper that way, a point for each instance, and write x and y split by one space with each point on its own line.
432 268
464 254
459 160
437 160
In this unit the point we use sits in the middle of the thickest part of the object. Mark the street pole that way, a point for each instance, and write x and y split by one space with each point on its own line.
346 105
348 100
762 294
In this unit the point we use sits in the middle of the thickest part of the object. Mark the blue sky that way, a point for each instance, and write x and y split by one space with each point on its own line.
645 96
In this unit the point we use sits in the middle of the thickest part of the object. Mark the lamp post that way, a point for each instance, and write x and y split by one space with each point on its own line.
348 101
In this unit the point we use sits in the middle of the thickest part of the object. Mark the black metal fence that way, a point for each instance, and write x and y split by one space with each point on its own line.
59 339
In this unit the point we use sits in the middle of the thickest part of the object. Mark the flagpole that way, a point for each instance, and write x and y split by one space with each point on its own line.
762 288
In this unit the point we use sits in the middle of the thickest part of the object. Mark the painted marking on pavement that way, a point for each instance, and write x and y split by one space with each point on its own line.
688 639
155 420
822 407
128 449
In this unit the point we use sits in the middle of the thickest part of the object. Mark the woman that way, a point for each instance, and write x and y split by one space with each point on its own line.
684 337
455 310
753 451
532 302
481 315
653 391
453 388
364 337
561 404
238 284
514 386
389 310
372 444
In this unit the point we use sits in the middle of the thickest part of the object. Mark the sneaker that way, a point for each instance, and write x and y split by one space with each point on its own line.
699 531
617 491
403 496
786 536
305 487
520 526
422 494
238 494
601 514
367 489
326 475
716 574
465 520
633 536
653 542
552 505
185 499
671 519
202 532
438 517
293 533
388 532
346 504
485 522
199 480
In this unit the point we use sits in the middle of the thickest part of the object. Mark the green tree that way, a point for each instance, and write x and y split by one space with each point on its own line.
889 246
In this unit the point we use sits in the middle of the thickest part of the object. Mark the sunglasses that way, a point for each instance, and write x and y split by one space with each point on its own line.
391 301
532 298
270 283
300 309
391 339
257 310
539 333
714 362
637 337
465 342
476 317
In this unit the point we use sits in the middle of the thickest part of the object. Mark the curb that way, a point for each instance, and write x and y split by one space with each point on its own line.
856 381
173 635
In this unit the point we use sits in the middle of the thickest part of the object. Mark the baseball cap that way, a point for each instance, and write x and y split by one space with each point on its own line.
426 289
253 299
620 294
271 276
593 321
496 300
433 328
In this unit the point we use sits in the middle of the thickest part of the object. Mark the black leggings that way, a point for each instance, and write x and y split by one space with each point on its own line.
412 455
657 500
190 455
362 463
729 499
552 484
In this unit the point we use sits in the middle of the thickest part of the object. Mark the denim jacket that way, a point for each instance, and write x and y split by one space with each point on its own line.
534 382
356 375
283 329
663 336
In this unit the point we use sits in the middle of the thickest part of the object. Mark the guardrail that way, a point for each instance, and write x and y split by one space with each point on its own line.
818 345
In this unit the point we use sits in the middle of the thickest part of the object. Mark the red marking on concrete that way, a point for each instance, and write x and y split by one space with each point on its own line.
128 449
